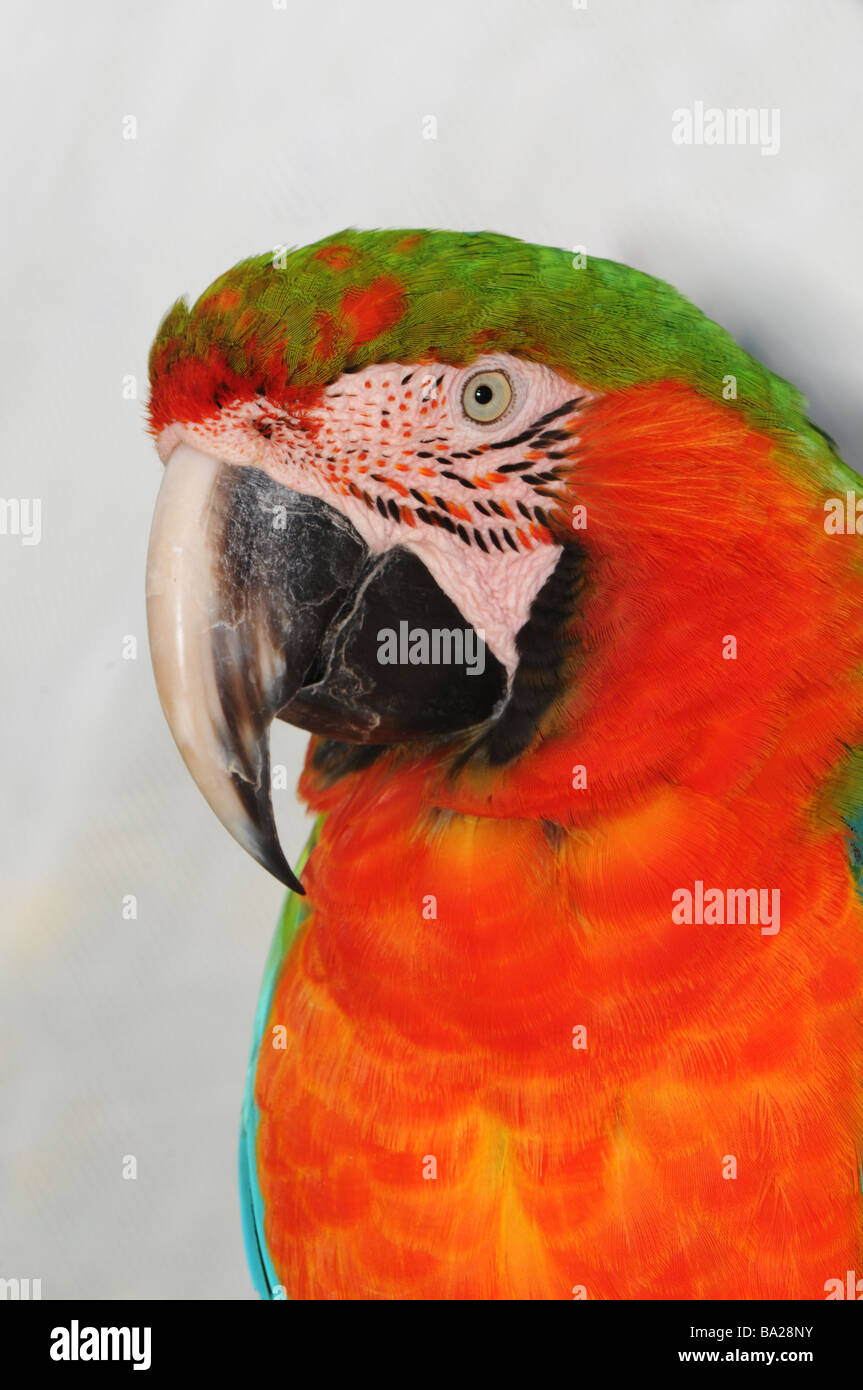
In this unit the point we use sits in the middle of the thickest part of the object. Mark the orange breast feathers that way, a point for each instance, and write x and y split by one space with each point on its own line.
516 1065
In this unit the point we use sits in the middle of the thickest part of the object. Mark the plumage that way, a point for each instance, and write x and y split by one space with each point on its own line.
507 1070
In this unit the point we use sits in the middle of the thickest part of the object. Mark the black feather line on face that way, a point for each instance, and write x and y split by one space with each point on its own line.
426 514
515 467
538 425
445 462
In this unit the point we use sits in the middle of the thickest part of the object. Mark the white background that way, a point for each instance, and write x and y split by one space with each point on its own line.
256 127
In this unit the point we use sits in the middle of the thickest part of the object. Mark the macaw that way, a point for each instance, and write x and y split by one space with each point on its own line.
568 590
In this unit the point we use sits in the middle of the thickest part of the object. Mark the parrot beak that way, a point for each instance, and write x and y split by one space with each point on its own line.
218 545
265 603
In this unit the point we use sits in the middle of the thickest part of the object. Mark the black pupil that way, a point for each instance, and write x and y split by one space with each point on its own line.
483 394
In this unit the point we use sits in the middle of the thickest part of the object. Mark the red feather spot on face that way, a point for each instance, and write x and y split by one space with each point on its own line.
408 243
372 310
338 257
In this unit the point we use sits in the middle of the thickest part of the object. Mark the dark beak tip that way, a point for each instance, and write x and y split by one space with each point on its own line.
273 860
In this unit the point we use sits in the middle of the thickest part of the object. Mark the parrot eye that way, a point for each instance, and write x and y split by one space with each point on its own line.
486 397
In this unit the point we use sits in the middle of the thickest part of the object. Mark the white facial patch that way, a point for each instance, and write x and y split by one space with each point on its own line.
392 448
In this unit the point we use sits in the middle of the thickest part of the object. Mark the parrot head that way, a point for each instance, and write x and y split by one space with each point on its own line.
400 468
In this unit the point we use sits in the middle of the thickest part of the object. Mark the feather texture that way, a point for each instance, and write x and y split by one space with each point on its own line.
451 1038
513 1068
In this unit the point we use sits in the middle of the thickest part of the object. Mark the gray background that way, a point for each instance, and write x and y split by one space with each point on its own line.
257 127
